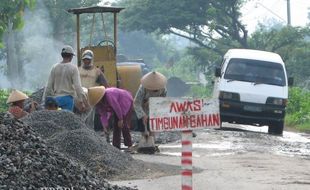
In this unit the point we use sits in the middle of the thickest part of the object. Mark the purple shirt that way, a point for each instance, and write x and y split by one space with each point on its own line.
114 100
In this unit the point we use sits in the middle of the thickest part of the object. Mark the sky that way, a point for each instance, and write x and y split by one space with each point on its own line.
263 10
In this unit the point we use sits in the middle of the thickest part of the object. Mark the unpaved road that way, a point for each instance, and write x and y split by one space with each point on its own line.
239 158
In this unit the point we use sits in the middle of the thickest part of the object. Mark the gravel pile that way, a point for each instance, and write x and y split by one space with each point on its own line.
37 95
27 162
63 119
65 131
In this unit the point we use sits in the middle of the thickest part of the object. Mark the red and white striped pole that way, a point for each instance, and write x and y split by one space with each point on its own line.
187 167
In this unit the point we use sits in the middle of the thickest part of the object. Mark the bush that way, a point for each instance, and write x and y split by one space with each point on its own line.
199 91
298 110
4 94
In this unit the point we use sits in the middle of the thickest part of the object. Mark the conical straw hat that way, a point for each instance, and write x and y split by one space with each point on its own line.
15 96
95 94
154 81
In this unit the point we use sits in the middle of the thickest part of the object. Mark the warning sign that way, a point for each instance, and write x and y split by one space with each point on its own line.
178 114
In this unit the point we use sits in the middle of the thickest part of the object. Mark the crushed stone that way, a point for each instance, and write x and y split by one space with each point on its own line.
28 162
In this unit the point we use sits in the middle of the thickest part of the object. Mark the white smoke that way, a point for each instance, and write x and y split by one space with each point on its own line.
4 83
41 51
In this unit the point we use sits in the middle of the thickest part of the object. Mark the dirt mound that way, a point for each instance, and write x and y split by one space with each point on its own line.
176 87
27 162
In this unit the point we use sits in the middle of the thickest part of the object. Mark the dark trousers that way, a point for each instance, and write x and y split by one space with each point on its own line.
125 130
97 122
141 126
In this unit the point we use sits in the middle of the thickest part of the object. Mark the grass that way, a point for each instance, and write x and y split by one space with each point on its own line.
305 127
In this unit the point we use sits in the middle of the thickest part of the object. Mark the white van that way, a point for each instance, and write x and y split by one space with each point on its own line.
252 88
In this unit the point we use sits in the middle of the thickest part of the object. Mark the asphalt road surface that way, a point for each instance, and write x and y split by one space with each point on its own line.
236 157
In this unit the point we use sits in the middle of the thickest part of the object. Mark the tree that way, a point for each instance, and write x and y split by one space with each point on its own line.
63 21
150 48
204 22
17 51
292 43
11 19
277 37
11 12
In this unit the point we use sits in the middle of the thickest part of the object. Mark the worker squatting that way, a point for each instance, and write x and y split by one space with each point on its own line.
184 122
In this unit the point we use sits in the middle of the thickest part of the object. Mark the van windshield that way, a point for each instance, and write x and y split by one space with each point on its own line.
256 71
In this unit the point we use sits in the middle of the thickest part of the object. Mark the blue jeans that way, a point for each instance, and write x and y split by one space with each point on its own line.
65 102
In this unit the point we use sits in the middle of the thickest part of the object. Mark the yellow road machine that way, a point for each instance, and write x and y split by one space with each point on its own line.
105 50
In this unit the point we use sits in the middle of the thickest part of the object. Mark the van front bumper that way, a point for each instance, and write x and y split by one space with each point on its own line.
250 113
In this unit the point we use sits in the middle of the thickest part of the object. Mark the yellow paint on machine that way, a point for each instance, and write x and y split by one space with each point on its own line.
129 76
104 58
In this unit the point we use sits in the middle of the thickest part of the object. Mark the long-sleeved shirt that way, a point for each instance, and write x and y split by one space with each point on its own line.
114 100
64 79
141 101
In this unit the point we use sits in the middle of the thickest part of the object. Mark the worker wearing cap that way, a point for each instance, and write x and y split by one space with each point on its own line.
16 108
64 82
153 84
90 77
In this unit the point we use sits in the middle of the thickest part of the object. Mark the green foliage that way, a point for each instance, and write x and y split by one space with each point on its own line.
199 21
298 110
149 47
305 127
12 11
198 91
64 22
182 66
4 94
185 67
292 44
277 37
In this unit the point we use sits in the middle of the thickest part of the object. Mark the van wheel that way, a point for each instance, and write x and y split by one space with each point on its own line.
276 128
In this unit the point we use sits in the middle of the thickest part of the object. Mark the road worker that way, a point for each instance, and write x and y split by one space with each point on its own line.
91 76
16 108
64 82
117 104
153 84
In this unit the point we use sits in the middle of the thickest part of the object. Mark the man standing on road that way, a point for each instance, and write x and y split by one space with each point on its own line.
153 84
64 82
90 77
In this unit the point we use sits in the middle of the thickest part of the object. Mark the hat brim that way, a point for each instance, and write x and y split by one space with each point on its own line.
87 57
16 96
95 94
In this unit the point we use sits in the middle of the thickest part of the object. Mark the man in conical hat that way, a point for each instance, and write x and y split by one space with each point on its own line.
153 84
16 100
114 102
